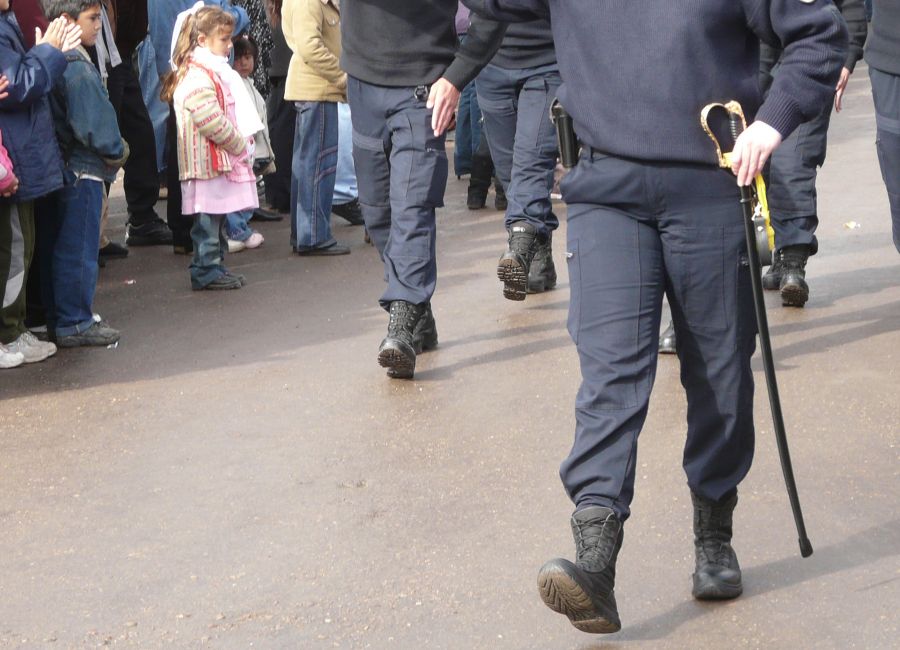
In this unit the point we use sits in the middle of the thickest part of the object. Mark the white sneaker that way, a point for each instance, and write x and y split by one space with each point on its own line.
10 359
32 349
255 240
235 246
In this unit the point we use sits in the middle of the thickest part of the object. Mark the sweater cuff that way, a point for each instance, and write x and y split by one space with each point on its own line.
459 73
780 112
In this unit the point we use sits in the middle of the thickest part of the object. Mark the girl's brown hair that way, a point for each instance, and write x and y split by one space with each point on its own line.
207 21
273 12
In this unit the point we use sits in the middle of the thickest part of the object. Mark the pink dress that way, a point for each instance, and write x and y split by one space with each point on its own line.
234 191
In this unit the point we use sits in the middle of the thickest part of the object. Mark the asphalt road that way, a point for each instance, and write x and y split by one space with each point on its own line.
239 472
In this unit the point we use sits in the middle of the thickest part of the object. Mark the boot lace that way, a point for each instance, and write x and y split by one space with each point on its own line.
595 540
403 318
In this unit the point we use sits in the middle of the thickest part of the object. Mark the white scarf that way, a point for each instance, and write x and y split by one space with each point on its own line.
247 117
248 121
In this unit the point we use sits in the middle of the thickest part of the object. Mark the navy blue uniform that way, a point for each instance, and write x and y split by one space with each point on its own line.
650 214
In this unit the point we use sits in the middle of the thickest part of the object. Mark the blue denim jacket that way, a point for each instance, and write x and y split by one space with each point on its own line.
163 13
85 120
25 118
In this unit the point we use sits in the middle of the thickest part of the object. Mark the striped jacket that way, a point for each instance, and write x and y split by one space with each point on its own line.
207 139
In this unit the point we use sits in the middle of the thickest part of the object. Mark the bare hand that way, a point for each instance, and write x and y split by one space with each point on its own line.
54 34
840 88
443 99
71 38
4 84
12 188
752 150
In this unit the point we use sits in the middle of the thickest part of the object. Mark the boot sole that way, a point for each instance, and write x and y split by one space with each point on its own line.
708 588
794 295
514 279
561 593
401 364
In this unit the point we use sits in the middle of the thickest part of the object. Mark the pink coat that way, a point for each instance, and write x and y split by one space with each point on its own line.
6 169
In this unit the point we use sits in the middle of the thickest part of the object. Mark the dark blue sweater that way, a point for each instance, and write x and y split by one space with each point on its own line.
636 74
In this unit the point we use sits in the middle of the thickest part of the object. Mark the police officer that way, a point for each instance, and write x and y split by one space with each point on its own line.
792 172
650 212
404 78
515 92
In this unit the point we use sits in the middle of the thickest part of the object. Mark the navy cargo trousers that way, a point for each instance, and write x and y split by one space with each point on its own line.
638 230
401 171
515 105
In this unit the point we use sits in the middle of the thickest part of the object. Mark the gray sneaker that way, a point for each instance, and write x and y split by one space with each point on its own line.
100 333
32 349
10 359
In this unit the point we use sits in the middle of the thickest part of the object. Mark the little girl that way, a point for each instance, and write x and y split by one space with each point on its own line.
216 120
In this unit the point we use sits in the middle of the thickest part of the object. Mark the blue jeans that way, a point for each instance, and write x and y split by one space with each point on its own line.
345 189
237 225
468 130
516 109
69 238
312 174
208 235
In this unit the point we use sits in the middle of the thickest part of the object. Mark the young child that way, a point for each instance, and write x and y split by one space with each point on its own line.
215 121
93 151
240 234
27 128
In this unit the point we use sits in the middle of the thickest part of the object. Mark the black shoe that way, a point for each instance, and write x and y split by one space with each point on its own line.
667 340
476 198
397 352
224 282
583 591
794 290
266 214
542 274
349 211
717 575
515 263
99 333
771 281
500 202
323 251
113 251
154 233
425 336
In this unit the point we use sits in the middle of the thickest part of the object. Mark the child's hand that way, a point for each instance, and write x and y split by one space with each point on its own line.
4 84
60 34
12 189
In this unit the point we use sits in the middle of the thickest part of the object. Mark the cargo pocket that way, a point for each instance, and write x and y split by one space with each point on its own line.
428 168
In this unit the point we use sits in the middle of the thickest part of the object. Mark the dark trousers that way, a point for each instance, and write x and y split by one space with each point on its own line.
516 109
886 93
16 249
637 231
482 166
312 174
141 175
67 242
179 224
401 170
792 183
282 120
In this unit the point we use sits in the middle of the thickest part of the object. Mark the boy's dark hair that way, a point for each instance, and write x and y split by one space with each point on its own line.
244 45
53 9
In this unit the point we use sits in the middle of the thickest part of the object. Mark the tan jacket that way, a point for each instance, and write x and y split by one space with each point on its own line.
312 29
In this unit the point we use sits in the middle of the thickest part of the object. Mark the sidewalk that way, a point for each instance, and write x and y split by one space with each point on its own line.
239 471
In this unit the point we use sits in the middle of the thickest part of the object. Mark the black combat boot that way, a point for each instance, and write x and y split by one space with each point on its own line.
515 263
794 290
425 336
542 275
717 575
667 340
397 352
771 281
500 202
476 198
584 591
